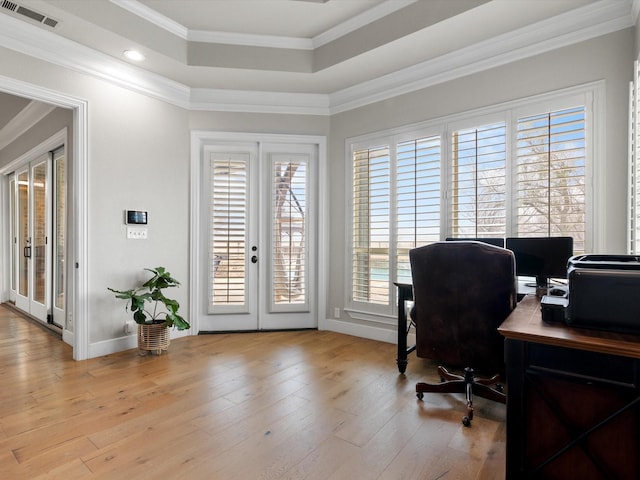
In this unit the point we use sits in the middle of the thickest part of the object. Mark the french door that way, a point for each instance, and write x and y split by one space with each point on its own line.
37 209
258 240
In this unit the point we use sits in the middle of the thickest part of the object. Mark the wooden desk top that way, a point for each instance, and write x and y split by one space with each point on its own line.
525 323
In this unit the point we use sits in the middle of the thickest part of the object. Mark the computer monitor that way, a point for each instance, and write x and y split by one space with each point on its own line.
498 242
541 257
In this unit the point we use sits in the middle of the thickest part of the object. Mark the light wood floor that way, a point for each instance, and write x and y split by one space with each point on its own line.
286 405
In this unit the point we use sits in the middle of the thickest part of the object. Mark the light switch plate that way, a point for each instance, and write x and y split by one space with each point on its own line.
136 233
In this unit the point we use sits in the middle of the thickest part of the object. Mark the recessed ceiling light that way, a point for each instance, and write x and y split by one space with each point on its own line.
134 55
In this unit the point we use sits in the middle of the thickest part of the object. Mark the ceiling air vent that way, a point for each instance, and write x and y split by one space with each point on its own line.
50 22
27 12
9 5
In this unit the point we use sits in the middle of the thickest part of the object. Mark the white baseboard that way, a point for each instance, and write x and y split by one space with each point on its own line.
127 342
388 335
67 337
114 345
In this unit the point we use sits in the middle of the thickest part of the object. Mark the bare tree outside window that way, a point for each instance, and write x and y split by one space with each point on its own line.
289 285
550 174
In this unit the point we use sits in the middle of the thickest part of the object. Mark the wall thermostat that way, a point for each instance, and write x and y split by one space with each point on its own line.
135 217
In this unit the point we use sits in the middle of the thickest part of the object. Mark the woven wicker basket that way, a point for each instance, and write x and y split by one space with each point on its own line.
153 337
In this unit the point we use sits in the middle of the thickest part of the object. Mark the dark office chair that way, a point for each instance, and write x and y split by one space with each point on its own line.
462 292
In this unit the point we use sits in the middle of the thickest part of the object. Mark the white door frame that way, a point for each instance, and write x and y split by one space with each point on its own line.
201 139
76 328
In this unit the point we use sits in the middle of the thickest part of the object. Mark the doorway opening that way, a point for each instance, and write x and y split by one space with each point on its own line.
75 328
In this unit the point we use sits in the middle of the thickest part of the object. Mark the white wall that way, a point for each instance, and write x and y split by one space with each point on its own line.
259 123
608 58
139 160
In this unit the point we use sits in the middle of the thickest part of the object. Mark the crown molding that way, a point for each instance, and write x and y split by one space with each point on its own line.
25 38
365 18
30 40
150 15
635 10
23 121
229 38
594 20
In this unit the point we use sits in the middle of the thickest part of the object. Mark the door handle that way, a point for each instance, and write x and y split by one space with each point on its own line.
254 259
27 252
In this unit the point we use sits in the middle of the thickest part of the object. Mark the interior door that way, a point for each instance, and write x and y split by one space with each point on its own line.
33 223
259 236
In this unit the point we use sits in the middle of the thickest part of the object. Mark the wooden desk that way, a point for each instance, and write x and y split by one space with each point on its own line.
573 403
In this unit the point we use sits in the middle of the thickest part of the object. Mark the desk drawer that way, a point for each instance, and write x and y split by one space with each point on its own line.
579 363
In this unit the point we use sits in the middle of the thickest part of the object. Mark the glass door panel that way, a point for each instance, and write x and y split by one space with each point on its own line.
288 236
39 247
231 277
14 238
59 235
289 215
24 240
228 233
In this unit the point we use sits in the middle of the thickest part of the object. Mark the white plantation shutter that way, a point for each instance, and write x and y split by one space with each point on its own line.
510 170
228 231
370 241
289 217
477 179
550 175
417 198
634 163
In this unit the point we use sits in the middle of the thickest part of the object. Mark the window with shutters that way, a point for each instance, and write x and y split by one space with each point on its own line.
477 179
371 217
550 175
396 207
417 199
516 170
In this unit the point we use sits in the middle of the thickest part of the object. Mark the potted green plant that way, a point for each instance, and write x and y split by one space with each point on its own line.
154 312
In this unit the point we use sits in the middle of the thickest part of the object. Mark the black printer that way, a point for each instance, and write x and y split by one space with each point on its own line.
603 293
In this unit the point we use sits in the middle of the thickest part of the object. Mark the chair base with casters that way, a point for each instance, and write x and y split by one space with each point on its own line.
488 388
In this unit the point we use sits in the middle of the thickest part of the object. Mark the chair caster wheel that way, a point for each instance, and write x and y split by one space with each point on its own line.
420 395
466 421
